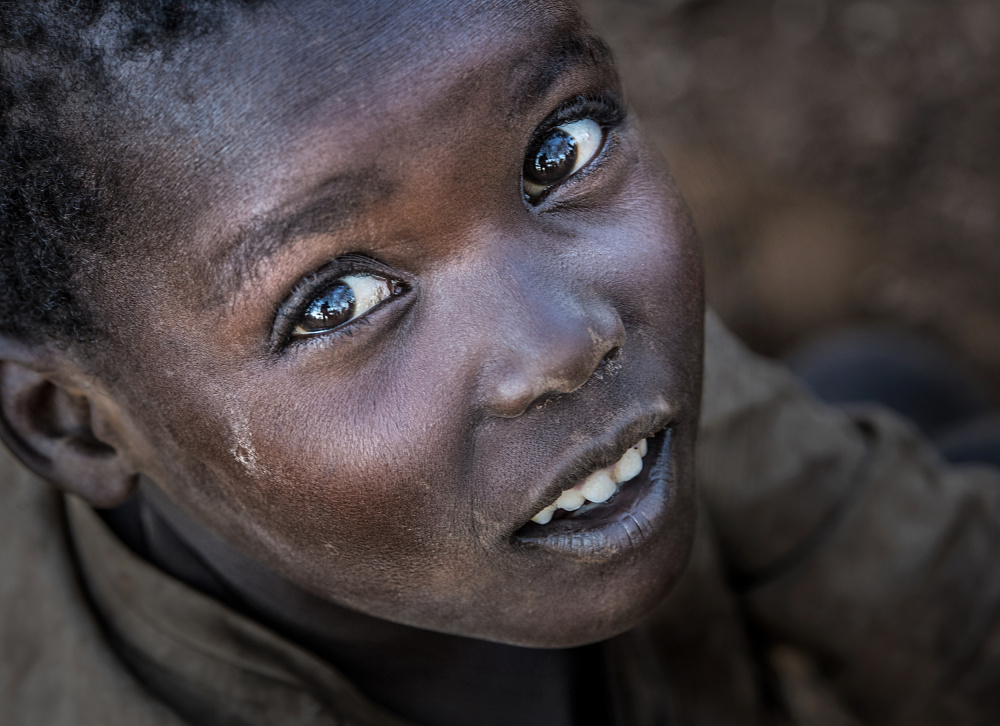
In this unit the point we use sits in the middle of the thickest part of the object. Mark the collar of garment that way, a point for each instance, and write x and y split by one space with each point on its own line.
211 664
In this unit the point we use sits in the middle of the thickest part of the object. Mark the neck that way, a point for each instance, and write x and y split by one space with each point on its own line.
424 676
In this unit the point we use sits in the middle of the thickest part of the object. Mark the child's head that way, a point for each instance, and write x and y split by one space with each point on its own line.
361 287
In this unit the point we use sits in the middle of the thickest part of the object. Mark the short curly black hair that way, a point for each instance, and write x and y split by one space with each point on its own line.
56 199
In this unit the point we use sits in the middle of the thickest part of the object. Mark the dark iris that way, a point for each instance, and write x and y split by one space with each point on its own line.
332 308
552 159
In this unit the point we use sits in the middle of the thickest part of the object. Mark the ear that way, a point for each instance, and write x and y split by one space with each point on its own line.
58 432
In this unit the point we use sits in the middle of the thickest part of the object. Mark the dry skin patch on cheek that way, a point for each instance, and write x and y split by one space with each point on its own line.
242 448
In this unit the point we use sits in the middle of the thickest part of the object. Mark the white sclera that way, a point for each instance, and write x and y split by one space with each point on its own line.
369 291
587 135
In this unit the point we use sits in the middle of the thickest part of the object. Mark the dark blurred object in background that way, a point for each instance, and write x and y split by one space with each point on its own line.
841 159
905 373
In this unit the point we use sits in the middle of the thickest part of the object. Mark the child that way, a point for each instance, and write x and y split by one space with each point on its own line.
373 331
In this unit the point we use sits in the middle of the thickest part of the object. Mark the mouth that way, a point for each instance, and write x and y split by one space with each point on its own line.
610 511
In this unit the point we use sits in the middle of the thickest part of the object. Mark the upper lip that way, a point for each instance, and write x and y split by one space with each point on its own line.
606 450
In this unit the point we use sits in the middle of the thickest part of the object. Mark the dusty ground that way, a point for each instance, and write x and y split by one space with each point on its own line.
841 158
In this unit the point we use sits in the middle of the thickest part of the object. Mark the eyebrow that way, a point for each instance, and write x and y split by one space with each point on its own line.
329 205
323 209
562 54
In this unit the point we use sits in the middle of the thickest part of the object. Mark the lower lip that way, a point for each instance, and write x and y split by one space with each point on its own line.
625 523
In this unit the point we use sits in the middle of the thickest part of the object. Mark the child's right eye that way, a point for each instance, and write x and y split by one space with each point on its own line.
350 297
559 154
331 300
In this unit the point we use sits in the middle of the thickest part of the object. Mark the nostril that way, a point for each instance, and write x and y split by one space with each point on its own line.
609 364
548 362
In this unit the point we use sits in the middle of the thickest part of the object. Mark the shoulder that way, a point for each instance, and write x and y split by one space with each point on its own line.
56 667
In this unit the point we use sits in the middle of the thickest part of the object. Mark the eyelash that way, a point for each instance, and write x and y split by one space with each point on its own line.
291 312
604 107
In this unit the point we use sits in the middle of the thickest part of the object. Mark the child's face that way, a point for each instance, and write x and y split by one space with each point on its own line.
509 347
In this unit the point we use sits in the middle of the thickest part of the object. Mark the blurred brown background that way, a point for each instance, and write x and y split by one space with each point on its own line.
841 158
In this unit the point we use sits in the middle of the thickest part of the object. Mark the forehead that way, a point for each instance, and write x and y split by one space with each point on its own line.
295 68
267 103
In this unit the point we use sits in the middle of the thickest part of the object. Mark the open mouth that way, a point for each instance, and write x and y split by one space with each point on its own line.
597 488
612 509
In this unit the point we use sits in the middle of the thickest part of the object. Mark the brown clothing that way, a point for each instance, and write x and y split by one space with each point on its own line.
838 564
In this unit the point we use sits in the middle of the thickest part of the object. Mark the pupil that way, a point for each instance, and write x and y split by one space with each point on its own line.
331 309
553 159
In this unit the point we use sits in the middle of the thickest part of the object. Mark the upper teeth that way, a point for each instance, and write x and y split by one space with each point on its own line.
599 486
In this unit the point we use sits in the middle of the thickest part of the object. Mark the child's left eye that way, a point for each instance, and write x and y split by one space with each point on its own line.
350 297
560 153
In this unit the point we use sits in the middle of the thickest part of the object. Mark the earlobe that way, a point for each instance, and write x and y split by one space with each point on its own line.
51 430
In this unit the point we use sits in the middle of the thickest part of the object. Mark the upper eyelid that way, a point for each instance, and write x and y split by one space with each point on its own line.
584 106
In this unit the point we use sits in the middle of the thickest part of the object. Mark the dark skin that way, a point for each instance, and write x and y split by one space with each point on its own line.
367 489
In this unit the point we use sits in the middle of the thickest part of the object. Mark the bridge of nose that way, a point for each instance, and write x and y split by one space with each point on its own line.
531 331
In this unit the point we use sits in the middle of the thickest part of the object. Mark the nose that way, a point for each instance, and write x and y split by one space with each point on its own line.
544 347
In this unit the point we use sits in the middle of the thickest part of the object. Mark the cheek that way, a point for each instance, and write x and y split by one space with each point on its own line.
647 262
346 477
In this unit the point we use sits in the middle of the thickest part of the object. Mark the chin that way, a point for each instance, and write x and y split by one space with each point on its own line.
598 575
626 557
582 613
